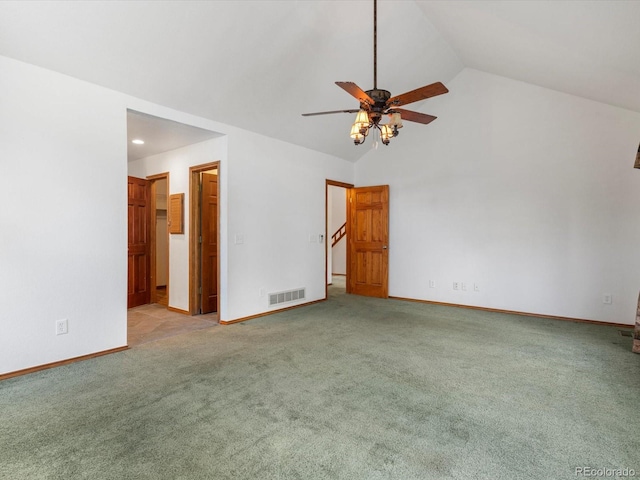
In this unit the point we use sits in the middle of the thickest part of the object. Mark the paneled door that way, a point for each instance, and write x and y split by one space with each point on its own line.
209 243
139 244
368 254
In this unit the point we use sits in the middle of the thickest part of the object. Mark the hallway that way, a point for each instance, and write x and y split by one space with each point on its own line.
148 323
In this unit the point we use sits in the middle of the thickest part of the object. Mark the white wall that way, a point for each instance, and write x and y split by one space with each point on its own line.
338 206
272 195
177 163
276 202
62 204
63 215
527 192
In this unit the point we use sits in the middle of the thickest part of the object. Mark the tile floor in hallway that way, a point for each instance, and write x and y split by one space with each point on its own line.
148 323
338 281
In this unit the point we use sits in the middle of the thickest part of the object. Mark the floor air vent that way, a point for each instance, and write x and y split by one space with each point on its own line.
286 297
626 333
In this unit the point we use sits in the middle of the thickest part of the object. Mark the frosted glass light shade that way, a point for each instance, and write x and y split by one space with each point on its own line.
355 133
362 117
395 120
386 133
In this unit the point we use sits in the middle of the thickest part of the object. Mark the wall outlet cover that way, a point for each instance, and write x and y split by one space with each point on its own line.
62 327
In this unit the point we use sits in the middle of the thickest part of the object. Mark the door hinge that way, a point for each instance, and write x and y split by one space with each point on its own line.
199 290
200 239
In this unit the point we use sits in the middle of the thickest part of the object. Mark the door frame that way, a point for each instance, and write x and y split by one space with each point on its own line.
194 235
152 236
327 237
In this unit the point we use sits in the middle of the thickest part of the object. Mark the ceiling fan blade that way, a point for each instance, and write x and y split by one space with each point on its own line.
415 116
327 113
354 90
421 93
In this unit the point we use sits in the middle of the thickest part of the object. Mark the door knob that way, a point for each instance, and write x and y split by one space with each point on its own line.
384 247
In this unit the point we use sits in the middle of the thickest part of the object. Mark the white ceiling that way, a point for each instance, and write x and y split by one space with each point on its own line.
160 135
260 64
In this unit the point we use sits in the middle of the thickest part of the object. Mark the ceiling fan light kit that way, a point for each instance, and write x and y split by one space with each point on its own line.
376 103
362 125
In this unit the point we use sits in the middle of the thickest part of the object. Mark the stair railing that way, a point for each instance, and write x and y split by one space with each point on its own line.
341 232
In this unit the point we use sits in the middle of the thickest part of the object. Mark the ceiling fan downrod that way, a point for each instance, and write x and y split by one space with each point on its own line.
377 103
375 44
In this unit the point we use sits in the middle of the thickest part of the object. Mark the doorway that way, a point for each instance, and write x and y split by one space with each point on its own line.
336 235
148 244
204 246
366 236
159 239
138 249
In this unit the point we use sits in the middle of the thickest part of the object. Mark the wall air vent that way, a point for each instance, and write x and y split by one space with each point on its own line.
286 297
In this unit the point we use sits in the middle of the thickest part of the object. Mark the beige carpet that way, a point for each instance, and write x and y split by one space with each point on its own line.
149 323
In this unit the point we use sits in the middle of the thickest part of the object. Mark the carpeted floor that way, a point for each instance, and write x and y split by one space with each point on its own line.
350 388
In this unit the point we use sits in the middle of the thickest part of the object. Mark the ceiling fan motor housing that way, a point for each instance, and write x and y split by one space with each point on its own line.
379 98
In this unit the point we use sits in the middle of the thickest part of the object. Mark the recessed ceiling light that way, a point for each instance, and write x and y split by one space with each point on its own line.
137 141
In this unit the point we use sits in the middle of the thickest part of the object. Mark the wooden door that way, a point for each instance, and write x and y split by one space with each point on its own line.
368 236
139 244
209 232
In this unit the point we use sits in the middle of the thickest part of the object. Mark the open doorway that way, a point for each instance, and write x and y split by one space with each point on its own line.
204 250
365 232
148 244
159 239
336 235
138 249
157 290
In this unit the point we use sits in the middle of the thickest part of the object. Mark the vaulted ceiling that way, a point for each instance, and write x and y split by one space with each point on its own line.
259 64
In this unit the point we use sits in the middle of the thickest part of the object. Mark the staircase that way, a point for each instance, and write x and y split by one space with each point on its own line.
341 232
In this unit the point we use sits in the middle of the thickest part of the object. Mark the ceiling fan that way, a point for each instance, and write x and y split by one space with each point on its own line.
376 103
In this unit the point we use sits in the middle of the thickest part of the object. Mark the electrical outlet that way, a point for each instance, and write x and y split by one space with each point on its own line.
62 327
606 298
476 287
463 286
263 291
432 284
456 285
